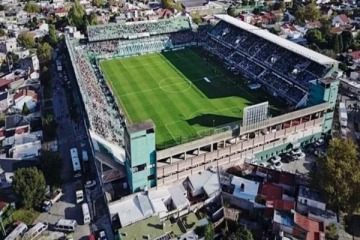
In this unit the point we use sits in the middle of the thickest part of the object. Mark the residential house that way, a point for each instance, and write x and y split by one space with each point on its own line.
340 20
25 96
313 25
5 101
8 45
30 63
204 183
16 124
245 192
9 166
293 224
61 12
247 17
308 198
355 56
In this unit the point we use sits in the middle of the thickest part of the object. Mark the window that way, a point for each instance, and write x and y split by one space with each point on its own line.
151 177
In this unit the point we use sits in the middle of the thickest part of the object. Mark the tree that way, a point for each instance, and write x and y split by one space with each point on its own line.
196 18
49 126
44 52
111 2
26 40
29 186
98 3
241 233
231 11
338 176
331 232
92 19
308 13
52 34
2 32
32 7
209 232
341 45
50 164
76 15
347 39
335 43
25 109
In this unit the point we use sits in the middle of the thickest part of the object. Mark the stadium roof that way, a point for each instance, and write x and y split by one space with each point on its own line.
294 47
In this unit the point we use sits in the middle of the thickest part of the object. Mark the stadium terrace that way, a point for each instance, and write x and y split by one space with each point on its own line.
166 99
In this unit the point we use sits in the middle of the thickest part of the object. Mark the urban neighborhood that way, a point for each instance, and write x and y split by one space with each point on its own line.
179 119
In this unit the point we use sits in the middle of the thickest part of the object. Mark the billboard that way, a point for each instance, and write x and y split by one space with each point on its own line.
255 113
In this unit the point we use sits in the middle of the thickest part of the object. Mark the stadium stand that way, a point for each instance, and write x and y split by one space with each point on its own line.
137 29
281 66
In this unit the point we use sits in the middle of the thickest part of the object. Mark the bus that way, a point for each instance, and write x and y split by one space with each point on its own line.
36 231
18 232
86 213
75 161
343 118
66 225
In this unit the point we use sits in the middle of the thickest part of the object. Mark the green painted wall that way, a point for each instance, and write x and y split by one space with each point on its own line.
140 159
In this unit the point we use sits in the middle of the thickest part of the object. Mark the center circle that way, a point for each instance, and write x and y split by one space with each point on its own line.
174 85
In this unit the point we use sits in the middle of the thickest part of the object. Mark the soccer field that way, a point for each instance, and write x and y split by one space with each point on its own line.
171 90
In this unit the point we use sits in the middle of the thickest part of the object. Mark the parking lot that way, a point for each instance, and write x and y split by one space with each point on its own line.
65 208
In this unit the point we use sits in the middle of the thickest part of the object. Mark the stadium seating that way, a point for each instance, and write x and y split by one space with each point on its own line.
137 29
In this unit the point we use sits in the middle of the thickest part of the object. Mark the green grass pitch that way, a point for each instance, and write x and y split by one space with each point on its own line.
170 89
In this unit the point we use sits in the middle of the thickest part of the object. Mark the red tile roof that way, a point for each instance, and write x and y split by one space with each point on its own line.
22 130
336 30
281 205
312 227
26 92
271 191
344 18
287 179
355 55
4 82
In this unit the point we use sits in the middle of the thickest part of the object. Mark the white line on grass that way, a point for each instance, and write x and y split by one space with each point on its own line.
174 84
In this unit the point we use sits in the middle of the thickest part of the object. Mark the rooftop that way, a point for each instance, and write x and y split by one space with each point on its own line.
309 193
207 180
153 228
271 191
296 48
140 126
245 189
14 121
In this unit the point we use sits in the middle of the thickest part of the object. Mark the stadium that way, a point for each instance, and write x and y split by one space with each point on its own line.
166 99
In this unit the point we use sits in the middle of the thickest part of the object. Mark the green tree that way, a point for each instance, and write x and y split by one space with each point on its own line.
347 39
50 164
2 32
49 126
335 43
76 15
341 44
92 19
309 12
338 176
32 7
196 18
111 3
25 109
26 40
241 233
29 186
98 3
331 232
209 232
231 11
52 34
44 52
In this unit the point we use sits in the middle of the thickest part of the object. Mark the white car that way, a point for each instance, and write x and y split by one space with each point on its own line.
90 184
296 151
319 142
275 159
278 165
299 156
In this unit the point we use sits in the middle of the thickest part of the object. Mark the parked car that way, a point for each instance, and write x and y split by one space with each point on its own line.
296 151
278 165
319 142
90 183
102 235
275 159
299 156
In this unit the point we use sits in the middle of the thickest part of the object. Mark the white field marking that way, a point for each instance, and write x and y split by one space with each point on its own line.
189 85
174 84
171 132
206 79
